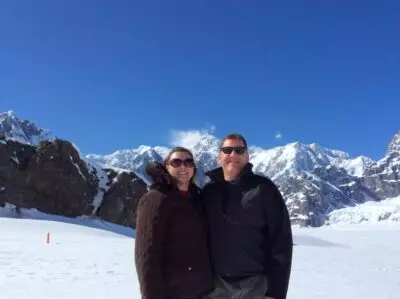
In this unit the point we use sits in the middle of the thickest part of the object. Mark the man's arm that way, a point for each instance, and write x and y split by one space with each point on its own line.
280 243
151 219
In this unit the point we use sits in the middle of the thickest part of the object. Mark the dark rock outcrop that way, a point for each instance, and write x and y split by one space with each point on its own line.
52 178
120 202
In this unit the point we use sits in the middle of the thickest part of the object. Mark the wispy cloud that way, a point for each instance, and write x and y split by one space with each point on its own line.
185 138
278 135
190 138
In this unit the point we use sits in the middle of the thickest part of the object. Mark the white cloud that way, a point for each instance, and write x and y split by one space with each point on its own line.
190 138
278 135
185 138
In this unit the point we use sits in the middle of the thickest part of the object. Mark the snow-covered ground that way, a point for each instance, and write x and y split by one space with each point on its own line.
85 262
93 259
79 262
347 262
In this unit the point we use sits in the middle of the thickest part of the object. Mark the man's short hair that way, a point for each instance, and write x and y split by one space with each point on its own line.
236 136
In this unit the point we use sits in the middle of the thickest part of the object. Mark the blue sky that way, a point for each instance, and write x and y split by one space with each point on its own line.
111 75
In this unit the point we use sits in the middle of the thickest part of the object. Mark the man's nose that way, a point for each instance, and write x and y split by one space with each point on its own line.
233 153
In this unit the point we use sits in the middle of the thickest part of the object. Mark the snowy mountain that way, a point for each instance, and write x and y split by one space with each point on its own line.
314 180
387 210
205 151
23 131
132 159
293 158
394 145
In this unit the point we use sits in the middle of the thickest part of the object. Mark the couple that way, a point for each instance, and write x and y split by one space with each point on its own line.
232 239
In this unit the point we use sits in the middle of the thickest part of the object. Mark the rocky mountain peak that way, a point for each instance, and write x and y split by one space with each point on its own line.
394 145
24 131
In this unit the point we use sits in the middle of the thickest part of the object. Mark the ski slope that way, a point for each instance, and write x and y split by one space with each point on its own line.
88 259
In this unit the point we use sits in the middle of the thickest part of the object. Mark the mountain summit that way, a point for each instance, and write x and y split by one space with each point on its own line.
23 131
394 145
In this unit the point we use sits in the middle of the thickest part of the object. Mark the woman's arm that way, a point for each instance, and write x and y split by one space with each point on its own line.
152 215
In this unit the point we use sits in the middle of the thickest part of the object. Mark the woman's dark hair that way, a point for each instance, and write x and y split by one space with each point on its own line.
180 149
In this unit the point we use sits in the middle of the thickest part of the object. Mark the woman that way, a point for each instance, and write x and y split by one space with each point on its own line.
171 255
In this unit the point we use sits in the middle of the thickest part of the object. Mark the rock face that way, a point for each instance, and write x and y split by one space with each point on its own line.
52 178
383 177
23 131
120 202
312 195
45 178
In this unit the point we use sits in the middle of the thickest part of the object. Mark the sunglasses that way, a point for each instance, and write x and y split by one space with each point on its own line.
175 163
240 150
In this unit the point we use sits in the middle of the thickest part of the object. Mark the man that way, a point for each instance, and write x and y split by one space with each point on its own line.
249 228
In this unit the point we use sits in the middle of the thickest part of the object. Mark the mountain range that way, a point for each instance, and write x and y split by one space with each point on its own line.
314 180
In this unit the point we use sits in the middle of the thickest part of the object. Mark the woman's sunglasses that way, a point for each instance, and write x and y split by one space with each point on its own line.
227 150
175 163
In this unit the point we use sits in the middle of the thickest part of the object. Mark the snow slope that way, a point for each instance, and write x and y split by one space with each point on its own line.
84 262
33 214
370 212
134 160
23 131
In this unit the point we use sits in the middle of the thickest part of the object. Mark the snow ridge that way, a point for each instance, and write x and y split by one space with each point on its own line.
23 131
387 210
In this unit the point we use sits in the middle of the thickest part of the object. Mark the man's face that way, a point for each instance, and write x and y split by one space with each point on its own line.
230 160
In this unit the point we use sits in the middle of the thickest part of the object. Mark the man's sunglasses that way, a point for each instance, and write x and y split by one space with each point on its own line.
227 150
175 163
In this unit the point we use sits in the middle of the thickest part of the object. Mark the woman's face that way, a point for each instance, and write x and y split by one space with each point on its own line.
181 167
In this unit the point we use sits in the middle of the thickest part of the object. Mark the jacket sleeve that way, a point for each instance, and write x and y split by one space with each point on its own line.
205 197
280 247
150 223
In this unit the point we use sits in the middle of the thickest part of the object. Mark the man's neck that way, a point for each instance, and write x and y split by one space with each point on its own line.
230 177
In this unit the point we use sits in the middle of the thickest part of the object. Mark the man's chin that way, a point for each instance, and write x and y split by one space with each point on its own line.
235 166
234 170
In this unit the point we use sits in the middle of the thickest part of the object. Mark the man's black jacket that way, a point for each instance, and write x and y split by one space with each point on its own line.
249 227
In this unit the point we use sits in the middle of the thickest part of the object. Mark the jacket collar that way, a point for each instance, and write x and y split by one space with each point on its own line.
218 174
